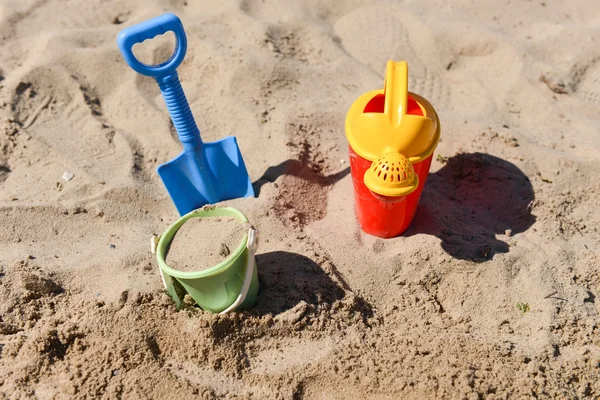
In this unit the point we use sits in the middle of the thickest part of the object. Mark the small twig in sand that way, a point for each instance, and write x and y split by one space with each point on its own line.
530 206
565 219
553 296
31 119
544 179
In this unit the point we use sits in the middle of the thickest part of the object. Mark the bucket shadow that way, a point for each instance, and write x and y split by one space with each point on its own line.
298 169
473 198
286 279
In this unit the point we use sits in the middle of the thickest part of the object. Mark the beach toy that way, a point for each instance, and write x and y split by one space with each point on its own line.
230 285
392 134
204 173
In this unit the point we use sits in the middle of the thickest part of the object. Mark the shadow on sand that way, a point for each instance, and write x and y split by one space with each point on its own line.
473 198
299 169
286 279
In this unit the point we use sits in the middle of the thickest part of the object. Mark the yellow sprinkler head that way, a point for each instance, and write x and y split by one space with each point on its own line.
391 175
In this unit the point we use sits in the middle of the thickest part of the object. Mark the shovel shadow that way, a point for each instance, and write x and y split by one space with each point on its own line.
470 201
299 169
287 279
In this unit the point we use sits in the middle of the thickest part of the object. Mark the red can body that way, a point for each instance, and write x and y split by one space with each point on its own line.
378 215
384 217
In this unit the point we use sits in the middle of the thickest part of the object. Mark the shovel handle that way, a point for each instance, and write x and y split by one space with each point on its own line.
165 73
148 30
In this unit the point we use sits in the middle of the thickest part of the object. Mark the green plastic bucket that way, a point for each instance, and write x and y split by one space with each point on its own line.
231 284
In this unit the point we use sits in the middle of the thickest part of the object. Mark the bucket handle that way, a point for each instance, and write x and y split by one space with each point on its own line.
167 282
251 245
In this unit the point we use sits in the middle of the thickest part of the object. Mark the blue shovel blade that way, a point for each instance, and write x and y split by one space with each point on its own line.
214 173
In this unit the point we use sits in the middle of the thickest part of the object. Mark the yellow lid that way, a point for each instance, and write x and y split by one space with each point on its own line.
370 134
391 175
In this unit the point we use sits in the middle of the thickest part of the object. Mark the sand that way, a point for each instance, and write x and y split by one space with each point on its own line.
202 243
509 216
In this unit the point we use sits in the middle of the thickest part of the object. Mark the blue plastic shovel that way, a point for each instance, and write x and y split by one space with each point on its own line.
204 173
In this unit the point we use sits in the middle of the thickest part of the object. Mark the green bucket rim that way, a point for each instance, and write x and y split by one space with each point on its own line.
167 237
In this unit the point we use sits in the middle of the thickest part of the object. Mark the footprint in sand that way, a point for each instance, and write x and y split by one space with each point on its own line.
273 12
375 34
589 86
488 64
46 102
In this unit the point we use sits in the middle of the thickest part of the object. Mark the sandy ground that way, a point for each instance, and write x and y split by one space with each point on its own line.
510 213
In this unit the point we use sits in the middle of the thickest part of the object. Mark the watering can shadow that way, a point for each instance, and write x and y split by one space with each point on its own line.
470 200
